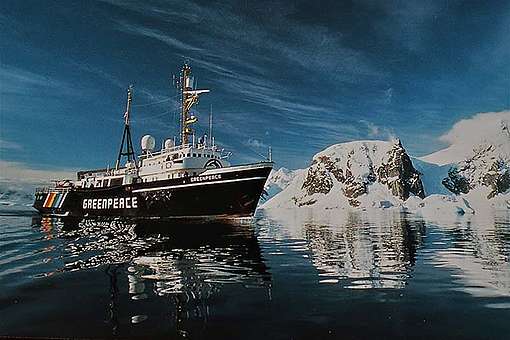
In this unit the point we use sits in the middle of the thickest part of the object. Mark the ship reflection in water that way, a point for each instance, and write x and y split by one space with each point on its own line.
188 264
299 278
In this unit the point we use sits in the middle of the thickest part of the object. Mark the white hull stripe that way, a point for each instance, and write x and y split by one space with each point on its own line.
62 201
46 200
198 184
237 168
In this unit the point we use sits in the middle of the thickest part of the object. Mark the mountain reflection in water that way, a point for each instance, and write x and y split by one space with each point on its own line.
365 255
295 278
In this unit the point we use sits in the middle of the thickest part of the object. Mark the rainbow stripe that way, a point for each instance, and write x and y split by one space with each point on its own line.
54 200
49 198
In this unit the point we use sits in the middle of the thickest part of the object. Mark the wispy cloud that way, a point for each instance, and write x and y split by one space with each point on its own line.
229 33
21 172
17 81
99 72
155 34
187 11
9 146
376 131
408 23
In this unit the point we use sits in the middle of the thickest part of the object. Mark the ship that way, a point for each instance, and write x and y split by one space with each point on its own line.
188 178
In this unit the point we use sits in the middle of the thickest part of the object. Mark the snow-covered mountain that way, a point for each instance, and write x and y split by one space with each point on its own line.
471 175
279 180
478 157
18 182
16 195
362 173
469 135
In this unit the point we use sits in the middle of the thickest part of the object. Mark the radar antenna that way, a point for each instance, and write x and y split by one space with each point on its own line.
127 150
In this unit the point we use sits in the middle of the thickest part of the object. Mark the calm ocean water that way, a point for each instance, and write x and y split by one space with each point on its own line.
385 276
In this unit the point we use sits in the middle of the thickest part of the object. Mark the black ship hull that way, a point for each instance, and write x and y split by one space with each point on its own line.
231 192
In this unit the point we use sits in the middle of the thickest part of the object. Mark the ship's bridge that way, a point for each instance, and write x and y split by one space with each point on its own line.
168 163
180 161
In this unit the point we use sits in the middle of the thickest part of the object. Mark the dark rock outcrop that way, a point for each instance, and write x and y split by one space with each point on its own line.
484 169
455 182
498 178
396 172
399 174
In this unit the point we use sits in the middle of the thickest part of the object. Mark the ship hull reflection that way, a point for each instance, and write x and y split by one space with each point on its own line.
187 265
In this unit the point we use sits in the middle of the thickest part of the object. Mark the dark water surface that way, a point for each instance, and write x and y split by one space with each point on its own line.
388 276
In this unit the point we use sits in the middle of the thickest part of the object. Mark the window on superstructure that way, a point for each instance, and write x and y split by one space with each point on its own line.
115 181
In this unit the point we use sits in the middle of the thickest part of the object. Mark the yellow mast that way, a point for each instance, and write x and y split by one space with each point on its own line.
189 98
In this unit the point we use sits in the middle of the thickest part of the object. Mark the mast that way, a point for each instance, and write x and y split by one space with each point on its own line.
128 150
189 98
210 126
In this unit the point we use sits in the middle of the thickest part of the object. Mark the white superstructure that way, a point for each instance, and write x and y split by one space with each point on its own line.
190 158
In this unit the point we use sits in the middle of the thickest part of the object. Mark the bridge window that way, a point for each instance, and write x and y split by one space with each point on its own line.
115 181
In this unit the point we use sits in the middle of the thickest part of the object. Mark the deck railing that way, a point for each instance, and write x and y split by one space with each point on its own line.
45 190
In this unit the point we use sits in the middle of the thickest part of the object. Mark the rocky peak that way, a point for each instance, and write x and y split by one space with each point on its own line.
478 155
399 174
350 169
485 169
487 166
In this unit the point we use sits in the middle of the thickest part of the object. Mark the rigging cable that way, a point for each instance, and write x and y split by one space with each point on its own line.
154 103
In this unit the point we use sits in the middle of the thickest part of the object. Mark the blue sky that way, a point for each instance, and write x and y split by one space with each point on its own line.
297 75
